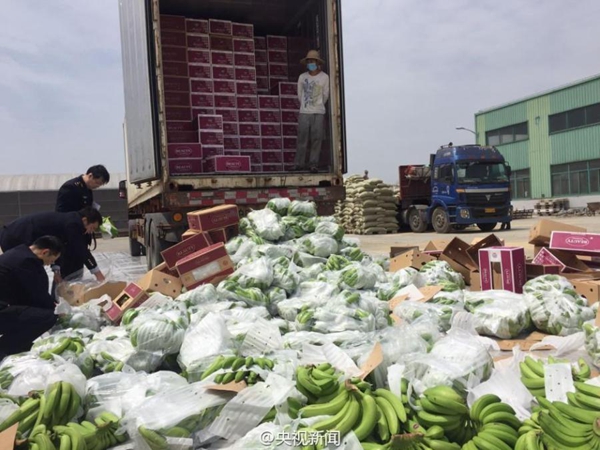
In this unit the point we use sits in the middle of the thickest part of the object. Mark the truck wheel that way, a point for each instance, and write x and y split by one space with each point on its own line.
441 221
135 248
416 222
154 257
486 226
459 227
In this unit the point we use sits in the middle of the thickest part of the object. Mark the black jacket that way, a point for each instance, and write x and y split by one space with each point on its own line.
23 279
74 195
68 227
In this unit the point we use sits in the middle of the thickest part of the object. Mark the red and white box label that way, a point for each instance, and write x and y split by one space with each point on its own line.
270 116
210 122
176 84
223 72
218 58
511 262
227 164
247 102
196 26
248 115
270 129
243 45
222 43
203 100
175 54
244 59
179 151
289 116
212 150
224 86
249 143
198 57
271 143
225 101
200 71
579 243
185 166
231 128
244 30
181 125
288 89
269 157
201 85
246 88
210 138
245 74
289 129
268 102
291 103
220 27
228 114
249 129
201 41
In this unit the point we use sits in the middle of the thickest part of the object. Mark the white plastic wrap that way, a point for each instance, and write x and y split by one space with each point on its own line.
279 205
360 276
436 272
267 224
257 274
502 314
203 294
204 340
263 337
330 229
302 208
319 245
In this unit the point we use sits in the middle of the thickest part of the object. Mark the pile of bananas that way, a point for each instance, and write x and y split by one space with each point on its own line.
6 378
532 373
76 347
109 363
490 424
237 368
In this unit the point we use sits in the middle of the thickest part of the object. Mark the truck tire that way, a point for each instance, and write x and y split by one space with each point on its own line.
135 248
157 245
416 222
441 221
486 226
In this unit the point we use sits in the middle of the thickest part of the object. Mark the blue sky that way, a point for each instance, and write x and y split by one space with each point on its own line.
414 71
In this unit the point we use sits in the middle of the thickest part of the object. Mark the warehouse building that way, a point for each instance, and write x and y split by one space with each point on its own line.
552 142
21 195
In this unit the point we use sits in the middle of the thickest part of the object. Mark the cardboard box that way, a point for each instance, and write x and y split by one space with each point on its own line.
271 143
540 233
212 150
187 234
289 157
210 265
178 137
158 281
256 168
289 129
588 288
268 102
228 114
183 151
188 166
172 38
175 69
579 243
198 41
219 58
225 164
231 143
203 100
185 248
271 129
245 74
198 56
175 23
272 157
436 247
262 84
77 294
274 83
249 129
288 88
223 235
223 43
174 54
176 84
290 103
288 116
201 85
277 56
262 71
203 71
248 115
395 250
276 42
255 157
489 241
232 153
244 30
475 282
272 167
241 45
178 113
260 43
213 218
244 60
212 137
536 249
210 122
180 125
245 88
502 268
457 252
270 116
231 129
203 111
568 262
196 26
247 102
224 27
278 70
537 270
132 296
223 72
261 57
412 258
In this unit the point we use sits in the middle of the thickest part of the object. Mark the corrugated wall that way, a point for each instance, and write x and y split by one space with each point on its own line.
539 146
576 96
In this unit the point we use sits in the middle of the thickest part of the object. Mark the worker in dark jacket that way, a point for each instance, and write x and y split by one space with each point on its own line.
70 228
26 307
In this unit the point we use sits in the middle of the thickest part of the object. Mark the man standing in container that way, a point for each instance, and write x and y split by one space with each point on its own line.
313 93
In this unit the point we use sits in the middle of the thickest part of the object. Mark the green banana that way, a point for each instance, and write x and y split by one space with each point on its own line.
368 422
394 401
154 440
480 404
323 409
389 412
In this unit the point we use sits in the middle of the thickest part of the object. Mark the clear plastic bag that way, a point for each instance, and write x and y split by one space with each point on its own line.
203 294
502 314
267 224
330 229
360 276
411 311
319 245
301 208
257 274
437 272
203 341
279 205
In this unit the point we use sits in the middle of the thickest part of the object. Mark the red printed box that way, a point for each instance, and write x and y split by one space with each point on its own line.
244 59
178 113
502 268
179 151
249 143
255 156
262 83
177 99
131 297
248 115
185 248
567 262
290 143
243 45
245 74
185 166
270 157
177 137
247 102
228 114
277 43
277 56
227 164
270 129
268 102
203 111
196 26
271 143
173 38
223 73
290 103
176 23
211 138
199 41
231 143
270 116
218 58
212 150
272 167
249 129
260 43
203 100
200 71
225 101
290 116
222 43
244 30
210 122
278 70
224 86
220 27
261 57
231 128
198 56
274 83
209 265
289 129
245 88
175 69
579 243
201 85
289 157
262 70
176 84
181 125
286 88
232 152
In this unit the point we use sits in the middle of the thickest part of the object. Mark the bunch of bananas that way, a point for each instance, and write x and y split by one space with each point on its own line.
237 368
26 416
72 344
6 378
129 316
89 436
157 440
59 405
532 373
108 363
489 424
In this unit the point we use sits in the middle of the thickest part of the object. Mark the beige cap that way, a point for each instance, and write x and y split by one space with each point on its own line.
312 54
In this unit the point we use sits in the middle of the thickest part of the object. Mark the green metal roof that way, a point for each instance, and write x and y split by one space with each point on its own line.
539 94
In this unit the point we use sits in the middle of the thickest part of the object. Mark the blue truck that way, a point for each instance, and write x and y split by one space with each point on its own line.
462 186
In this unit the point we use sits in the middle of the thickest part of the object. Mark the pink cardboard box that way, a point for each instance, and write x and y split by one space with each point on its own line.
232 153
268 102
274 83
203 100
272 167
176 84
289 157
224 86
213 218
249 143
175 23
262 83
231 143
290 143
277 56
290 103
244 30
248 115
289 129
211 137
131 297
210 122
245 74
199 41
177 137
212 150
286 88
262 70
203 111
249 129
231 129
568 262
182 151
178 113
256 168
290 116
245 88
270 129
223 72
270 116
502 268
175 69
198 56
172 38
271 143
201 85
277 43
200 71
269 157
225 101
181 125
261 57
244 59
278 70
185 248
255 156
222 43
185 166
196 26
221 164
229 114
224 27
177 99
247 102
243 45
260 43
579 243
219 58
209 265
